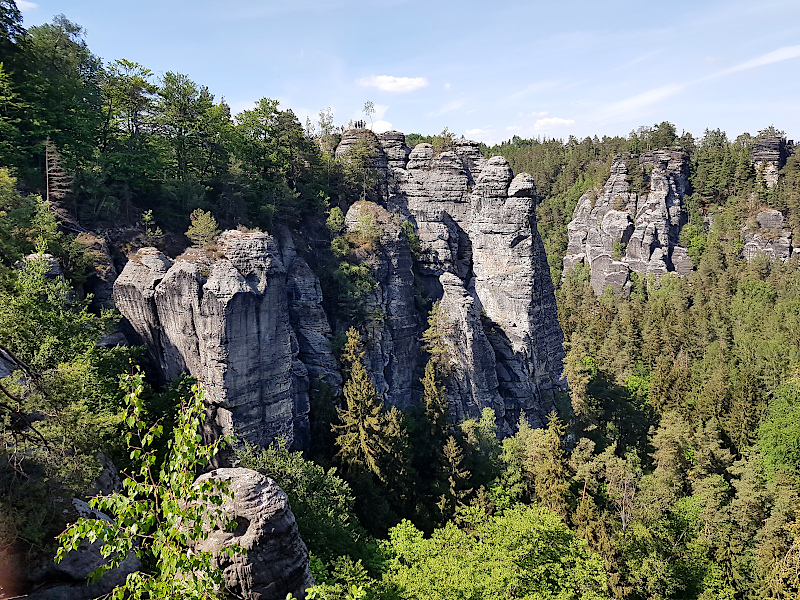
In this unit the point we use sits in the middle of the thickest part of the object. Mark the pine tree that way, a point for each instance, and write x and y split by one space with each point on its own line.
363 439
434 340
457 478
435 404
203 229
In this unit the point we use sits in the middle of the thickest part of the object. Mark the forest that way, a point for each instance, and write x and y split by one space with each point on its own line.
670 471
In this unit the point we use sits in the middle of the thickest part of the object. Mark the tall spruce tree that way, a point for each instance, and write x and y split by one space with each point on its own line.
362 439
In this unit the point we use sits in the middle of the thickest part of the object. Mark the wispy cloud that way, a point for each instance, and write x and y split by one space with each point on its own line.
532 89
779 55
532 115
633 105
380 110
24 5
389 83
550 123
449 107
487 135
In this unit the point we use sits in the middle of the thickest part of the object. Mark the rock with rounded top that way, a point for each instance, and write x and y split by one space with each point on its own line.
272 560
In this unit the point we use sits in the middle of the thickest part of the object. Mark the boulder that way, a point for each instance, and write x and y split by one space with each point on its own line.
273 561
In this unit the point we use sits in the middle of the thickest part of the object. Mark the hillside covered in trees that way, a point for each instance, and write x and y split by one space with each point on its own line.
670 469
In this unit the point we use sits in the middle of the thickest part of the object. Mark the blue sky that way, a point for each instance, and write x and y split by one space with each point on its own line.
485 70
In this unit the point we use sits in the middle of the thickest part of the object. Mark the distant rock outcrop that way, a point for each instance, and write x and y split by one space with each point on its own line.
769 156
619 230
273 561
768 237
225 318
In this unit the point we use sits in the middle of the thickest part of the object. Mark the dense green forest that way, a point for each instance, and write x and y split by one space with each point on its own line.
671 472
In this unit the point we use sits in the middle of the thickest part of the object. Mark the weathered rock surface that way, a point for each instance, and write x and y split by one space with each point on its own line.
769 156
473 385
274 560
512 281
225 319
395 148
67 579
482 256
616 231
103 273
392 324
768 237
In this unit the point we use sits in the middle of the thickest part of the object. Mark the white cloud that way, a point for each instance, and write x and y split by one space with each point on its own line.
779 55
381 126
447 86
449 107
486 135
514 128
24 5
534 114
550 123
389 83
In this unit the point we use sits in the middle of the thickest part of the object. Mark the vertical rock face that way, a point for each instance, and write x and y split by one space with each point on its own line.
395 148
225 319
102 275
272 561
473 385
769 156
512 281
392 323
481 255
619 230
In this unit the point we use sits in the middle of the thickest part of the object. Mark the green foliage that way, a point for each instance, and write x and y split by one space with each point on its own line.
443 142
434 342
163 513
526 552
335 222
365 233
638 177
779 432
203 230
358 166
537 466
321 502
618 250
412 238
363 434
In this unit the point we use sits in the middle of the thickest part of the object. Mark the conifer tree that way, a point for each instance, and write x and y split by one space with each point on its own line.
435 405
457 478
366 434
203 229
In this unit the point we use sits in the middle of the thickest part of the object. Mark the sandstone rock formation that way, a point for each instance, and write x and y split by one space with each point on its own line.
617 230
769 156
481 254
392 323
273 561
767 237
103 273
67 579
224 317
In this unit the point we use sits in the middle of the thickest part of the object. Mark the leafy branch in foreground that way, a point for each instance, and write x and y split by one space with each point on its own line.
162 513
